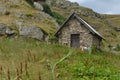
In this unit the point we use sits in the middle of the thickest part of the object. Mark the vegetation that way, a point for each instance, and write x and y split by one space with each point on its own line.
31 2
59 18
31 60
118 47
28 59
47 9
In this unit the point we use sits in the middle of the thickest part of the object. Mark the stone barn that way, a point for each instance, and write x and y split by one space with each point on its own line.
77 33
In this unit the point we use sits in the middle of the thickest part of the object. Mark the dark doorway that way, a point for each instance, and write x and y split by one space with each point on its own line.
75 40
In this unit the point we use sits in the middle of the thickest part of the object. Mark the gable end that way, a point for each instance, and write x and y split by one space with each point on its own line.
92 30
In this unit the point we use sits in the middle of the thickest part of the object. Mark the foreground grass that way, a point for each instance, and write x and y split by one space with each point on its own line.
31 60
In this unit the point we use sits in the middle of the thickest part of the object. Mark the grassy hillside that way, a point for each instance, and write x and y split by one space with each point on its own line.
28 59
18 10
21 10
31 60
104 24
114 20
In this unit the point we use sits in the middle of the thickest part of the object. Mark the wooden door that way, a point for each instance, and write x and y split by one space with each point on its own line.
75 40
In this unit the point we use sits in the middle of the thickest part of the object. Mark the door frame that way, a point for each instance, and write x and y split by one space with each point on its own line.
71 39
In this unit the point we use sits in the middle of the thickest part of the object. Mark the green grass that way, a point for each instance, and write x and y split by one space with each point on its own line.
39 57
30 16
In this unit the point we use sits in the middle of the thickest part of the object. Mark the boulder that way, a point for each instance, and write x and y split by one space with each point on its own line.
10 31
2 29
38 6
19 23
64 4
31 31
4 11
43 16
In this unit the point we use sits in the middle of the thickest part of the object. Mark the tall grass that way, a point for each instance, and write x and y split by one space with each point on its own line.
28 59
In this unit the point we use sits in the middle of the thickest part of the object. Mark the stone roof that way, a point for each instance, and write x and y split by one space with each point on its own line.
90 28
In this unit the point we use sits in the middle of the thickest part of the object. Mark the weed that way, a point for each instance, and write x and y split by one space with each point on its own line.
28 59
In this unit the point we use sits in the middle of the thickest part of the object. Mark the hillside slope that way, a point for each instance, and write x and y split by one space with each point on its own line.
13 12
107 25
23 58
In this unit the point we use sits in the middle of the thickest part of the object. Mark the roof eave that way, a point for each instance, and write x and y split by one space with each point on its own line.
56 34
92 30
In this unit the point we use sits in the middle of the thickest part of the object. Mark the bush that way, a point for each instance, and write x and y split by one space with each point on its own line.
14 6
118 47
47 9
59 18
31 2
53 39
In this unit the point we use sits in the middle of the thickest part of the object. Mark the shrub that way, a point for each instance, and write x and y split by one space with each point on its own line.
47 9
14 6
30 2
118 47
29 15
53 39
59 18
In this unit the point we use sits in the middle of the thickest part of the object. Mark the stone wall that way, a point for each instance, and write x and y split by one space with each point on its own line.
75 27
97 42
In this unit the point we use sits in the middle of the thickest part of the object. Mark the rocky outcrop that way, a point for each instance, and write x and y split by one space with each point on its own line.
4 11
64 4
4 30
38 6
31 31
71 7
23 29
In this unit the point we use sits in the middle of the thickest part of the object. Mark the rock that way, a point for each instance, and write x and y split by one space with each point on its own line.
49 2
39 16
13 3
31 31
16 14
10 31
64 4
2 29
19 23
4 11
114 48
43 16
38 6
